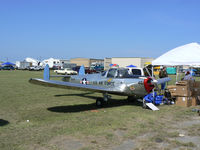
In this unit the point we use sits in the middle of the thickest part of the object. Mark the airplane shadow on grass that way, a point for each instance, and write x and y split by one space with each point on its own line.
81 95
86 107
3 122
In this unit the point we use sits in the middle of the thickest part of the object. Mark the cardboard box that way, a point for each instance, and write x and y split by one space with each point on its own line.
197 84
188 83
183 101
180 91
194 101
171 86
196 91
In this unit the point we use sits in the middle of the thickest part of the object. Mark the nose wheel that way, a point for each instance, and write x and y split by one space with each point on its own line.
144 104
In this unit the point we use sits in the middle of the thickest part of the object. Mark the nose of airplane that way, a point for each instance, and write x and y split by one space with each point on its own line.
148 84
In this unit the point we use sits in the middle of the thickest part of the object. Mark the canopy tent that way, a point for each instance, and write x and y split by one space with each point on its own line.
8 64
131 66
113 65
188 54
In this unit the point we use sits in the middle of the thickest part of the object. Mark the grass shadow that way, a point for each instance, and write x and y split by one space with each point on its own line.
92 106
81 95
3 122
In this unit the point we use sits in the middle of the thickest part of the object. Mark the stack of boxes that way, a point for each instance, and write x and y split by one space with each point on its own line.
187 93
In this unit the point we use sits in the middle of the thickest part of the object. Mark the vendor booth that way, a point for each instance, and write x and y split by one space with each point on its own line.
187 93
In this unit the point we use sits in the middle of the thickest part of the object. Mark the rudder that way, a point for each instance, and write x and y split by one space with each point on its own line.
46 73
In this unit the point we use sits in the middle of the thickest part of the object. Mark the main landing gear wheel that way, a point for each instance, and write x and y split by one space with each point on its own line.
99 102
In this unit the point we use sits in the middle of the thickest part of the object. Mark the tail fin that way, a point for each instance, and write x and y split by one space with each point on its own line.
82 70
46 72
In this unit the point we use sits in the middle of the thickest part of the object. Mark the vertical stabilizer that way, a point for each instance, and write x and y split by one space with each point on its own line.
81 70
46 72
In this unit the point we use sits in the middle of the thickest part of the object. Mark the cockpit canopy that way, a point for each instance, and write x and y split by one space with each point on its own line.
117 73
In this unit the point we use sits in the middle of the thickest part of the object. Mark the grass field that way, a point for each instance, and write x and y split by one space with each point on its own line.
35 117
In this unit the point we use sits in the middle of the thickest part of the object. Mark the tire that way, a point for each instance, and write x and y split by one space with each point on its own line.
99 102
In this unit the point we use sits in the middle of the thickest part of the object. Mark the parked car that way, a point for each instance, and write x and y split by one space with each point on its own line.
7 68
35 68
87 70
67 71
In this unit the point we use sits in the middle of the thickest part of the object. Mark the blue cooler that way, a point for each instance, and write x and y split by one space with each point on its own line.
157 99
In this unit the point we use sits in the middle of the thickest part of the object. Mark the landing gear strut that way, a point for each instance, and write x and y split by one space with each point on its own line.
144 104
100 102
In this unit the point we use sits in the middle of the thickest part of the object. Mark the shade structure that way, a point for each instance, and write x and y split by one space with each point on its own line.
131 66
188 54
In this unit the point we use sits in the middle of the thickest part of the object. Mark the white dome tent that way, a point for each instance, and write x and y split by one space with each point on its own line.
186 55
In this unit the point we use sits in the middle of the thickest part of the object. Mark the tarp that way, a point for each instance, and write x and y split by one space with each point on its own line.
8 64
131 66
188 54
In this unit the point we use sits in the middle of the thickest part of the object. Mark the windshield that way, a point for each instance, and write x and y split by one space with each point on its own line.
123 73
111 73
104 73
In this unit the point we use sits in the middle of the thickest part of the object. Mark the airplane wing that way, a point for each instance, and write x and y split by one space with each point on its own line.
68 85
78 86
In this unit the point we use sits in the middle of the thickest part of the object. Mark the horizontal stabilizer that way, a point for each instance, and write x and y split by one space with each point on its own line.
64 76
160 81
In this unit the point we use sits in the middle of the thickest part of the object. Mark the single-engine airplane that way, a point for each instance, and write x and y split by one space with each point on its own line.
113 81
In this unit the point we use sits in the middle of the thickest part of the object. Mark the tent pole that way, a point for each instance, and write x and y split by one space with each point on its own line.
176 73
153 78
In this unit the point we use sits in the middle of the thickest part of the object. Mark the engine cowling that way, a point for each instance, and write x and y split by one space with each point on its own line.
148 85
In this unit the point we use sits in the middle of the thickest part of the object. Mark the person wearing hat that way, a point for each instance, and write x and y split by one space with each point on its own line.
188 76
163 74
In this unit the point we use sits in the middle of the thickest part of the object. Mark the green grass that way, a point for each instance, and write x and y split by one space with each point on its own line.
53 113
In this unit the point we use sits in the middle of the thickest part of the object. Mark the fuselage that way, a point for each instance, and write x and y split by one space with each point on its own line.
116 79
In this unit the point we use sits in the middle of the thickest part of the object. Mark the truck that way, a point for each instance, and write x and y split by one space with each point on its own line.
136 71
141 72
66 71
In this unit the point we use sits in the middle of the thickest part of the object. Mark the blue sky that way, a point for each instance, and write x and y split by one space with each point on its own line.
95 28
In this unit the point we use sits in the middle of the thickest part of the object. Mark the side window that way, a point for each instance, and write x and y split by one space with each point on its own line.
136 72
111 73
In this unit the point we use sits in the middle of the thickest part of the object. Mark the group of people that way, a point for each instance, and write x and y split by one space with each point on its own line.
163 74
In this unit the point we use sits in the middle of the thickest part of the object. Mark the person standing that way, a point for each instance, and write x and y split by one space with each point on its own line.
163 74
188 76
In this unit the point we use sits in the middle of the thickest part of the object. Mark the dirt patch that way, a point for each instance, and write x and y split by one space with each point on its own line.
65 143
34 147
126 145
